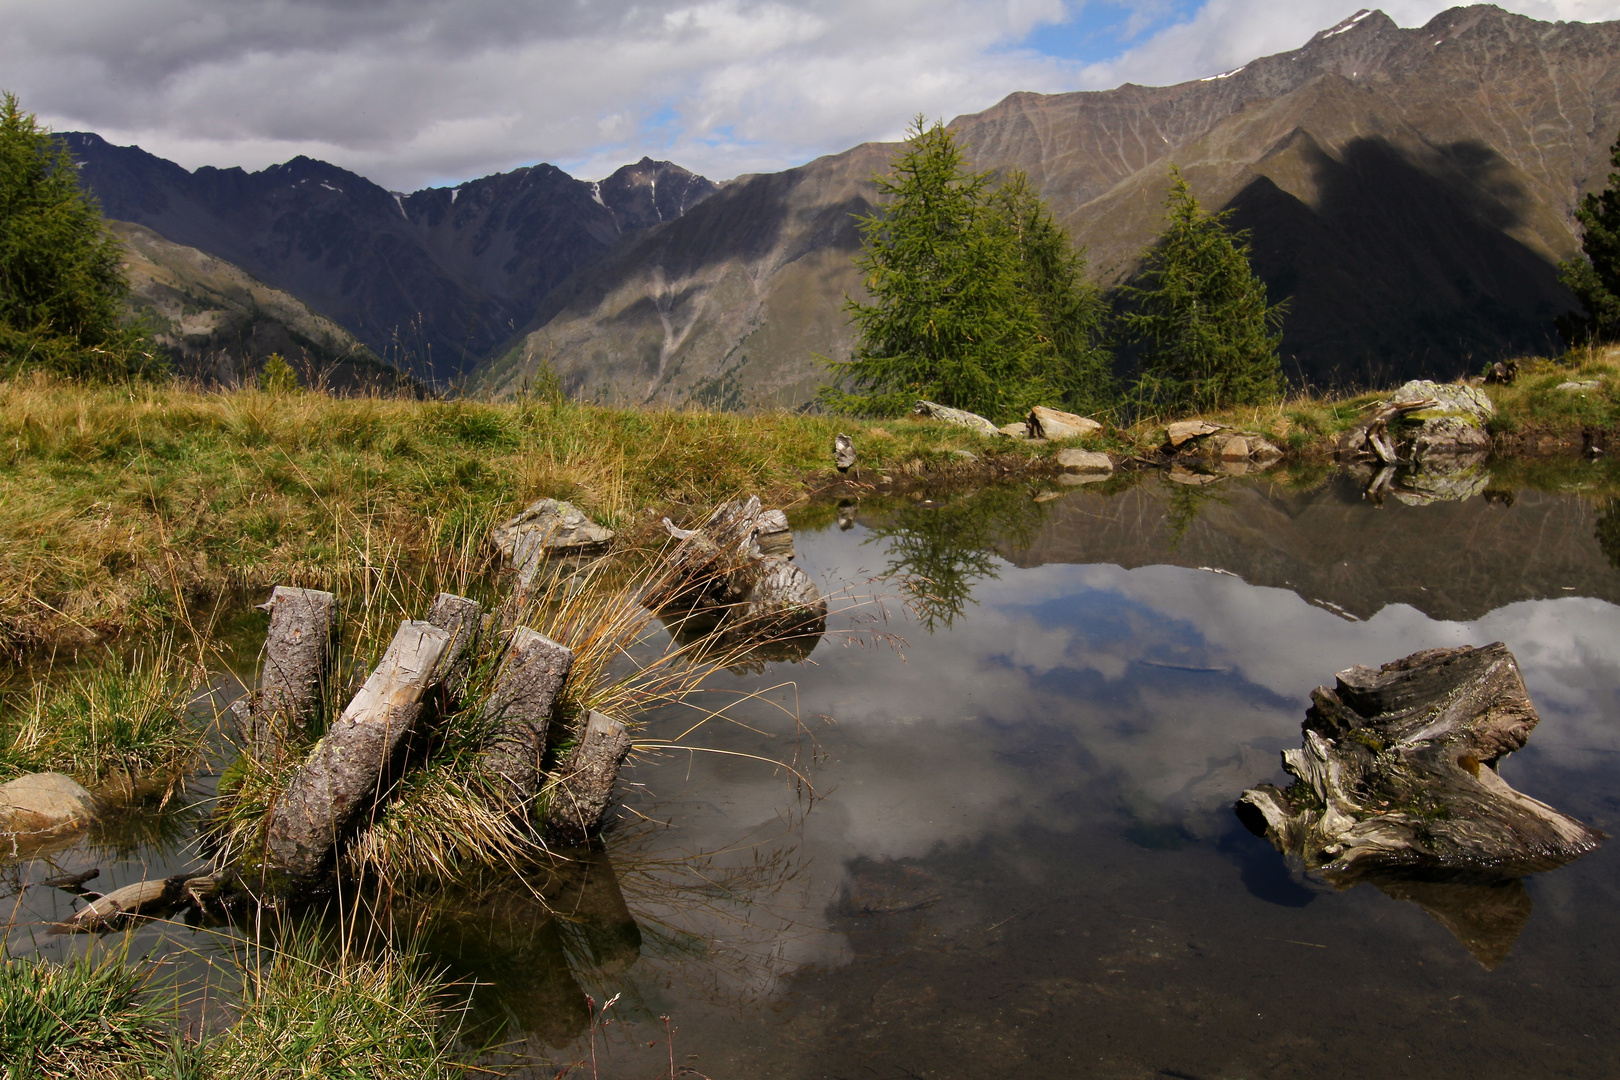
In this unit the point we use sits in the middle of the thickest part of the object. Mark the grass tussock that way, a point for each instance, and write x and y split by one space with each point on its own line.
122 727
88 1019
308 1009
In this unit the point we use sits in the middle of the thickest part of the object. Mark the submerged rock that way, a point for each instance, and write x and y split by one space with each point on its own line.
40 805
545 528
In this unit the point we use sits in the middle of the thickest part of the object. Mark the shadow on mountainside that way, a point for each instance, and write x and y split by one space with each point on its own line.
1402 271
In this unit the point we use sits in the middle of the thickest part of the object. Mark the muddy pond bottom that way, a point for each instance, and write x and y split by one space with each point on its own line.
1007 846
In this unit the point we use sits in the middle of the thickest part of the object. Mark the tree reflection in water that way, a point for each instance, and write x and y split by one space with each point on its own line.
943 548
1608 532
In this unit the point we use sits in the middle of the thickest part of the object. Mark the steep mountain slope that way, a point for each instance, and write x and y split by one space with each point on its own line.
432 280
219 323
1409 192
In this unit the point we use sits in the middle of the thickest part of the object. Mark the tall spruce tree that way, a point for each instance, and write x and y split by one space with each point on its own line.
1594 276
950 318
62 285
1208 337
1077 368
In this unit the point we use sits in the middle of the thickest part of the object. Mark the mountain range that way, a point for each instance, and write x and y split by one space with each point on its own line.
1408 192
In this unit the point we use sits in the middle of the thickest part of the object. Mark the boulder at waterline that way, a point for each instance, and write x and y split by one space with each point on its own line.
43 804
1047 423
960 417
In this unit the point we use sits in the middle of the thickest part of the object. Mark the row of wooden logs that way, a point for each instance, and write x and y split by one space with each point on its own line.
422 674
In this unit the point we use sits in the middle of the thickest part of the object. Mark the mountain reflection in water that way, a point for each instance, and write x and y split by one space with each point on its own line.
1019 854
1023 857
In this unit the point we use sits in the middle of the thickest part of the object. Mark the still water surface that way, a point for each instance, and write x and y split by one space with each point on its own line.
1016 855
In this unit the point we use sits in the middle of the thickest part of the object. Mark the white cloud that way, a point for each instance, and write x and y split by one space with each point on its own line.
429 91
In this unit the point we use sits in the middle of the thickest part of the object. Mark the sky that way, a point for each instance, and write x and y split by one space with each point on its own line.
420 93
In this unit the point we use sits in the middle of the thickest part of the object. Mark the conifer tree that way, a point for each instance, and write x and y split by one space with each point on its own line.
1208 338
62 285
949 318
1594 275
1077 367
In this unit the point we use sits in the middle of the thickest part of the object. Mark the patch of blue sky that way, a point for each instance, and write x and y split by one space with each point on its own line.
1099 30
662 128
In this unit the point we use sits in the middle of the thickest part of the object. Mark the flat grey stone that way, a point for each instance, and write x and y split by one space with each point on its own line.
959 417
1084 461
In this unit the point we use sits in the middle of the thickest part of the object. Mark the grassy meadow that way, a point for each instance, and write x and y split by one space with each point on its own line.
125 507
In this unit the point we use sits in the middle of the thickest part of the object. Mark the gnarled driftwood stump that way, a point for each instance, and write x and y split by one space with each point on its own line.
1399 772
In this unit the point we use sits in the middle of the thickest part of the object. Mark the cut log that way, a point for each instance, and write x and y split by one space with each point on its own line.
464 619
142 898
292 678
1399 773
344 773
583 787
518 712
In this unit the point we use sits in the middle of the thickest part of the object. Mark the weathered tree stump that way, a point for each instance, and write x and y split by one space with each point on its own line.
583 787
1399 772
345 772
292 679
726 572
518 712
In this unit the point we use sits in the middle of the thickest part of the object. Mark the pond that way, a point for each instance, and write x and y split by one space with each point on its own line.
1006 844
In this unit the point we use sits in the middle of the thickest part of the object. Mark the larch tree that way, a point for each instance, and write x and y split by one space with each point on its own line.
62 285
1594 275
1207 336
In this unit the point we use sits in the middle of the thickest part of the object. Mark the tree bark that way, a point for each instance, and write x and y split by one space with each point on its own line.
1399 772
344 773
518 712
584 785
292 680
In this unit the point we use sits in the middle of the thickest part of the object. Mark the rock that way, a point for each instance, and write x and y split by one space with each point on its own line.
1398 774
41 804
1185 430
965 455
545 528
1589 384
1017 429
1421 420
1229 447
1447 399
843 452
1084 461
1047 423
783 601
959 417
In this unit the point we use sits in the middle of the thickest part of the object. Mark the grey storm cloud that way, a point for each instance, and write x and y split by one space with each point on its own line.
424 91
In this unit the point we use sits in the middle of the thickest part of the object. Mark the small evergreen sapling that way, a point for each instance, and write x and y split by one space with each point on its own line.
1208 338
